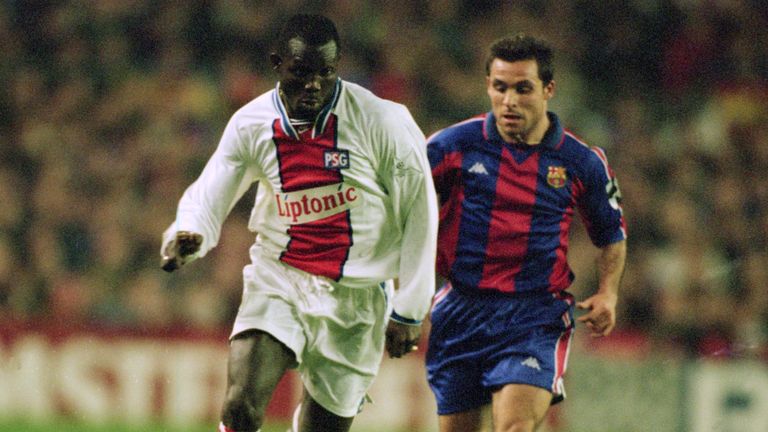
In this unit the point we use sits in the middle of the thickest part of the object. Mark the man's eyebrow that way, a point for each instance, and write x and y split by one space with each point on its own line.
525 81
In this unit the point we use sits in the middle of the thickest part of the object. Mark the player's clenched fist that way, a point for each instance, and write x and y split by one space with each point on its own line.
179 249
402 338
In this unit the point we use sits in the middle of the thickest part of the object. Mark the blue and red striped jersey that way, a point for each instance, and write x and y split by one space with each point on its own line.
506 209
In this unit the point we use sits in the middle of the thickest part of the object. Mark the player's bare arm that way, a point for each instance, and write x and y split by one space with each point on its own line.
601 307
177 251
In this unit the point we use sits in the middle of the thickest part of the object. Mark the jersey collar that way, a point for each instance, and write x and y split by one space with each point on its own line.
320 121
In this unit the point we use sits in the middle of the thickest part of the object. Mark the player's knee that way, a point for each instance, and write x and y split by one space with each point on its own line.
240 413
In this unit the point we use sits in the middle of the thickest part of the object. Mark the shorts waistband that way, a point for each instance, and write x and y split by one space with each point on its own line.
474 291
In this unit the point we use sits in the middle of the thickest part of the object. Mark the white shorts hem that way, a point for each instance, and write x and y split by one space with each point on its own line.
275 331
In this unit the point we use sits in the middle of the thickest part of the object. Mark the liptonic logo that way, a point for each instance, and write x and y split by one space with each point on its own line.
309 205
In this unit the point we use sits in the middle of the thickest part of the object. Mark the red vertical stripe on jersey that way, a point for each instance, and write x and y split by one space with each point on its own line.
450 212
301 162
319 247
511 220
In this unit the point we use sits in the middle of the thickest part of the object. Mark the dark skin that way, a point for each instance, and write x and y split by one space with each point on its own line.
308 76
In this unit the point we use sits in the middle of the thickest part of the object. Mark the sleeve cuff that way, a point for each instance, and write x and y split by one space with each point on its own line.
403 320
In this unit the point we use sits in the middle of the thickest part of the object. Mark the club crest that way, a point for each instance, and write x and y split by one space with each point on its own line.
556 176
336 159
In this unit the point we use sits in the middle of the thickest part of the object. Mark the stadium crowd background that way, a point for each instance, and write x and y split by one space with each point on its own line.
110 108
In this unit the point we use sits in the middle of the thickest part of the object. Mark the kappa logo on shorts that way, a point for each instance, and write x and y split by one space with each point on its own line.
532 363
336 159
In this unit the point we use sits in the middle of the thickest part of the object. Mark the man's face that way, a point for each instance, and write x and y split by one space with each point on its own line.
307 76
519 100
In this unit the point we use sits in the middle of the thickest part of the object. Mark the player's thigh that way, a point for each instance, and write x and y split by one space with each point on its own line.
256 363
519 405
465 421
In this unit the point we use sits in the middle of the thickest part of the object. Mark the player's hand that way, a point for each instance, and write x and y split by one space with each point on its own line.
402 338
179 249
601 315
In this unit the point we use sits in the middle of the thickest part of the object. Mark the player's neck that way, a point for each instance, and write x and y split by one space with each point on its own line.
538 135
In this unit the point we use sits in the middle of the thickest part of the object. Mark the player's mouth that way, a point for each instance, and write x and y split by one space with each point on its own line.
512 117
309 101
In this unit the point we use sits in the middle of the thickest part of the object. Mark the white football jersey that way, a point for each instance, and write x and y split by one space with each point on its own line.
350 199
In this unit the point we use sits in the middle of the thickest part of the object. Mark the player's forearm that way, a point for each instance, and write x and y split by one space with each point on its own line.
610 267
417 256
207 202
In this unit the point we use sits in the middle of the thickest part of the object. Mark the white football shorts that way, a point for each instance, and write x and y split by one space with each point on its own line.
337 333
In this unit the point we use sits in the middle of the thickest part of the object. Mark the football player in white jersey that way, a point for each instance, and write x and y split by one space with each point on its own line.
345 210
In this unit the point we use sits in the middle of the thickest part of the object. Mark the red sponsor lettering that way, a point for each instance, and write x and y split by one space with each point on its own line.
309 206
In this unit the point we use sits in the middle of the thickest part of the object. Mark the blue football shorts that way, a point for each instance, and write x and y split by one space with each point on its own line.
480 342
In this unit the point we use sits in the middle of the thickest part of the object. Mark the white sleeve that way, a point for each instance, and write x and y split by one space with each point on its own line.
207 202
415 204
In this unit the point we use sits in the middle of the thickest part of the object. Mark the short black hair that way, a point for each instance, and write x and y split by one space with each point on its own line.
312 28
523 47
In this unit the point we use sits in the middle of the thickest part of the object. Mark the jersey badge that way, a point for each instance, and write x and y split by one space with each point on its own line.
556 176
336 159
478 168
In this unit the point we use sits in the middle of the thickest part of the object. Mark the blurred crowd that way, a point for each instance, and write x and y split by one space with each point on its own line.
110 108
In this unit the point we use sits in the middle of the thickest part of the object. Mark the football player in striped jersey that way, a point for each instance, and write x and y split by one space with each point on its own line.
509 182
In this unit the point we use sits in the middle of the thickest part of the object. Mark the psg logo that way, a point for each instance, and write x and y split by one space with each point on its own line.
556 176
336 159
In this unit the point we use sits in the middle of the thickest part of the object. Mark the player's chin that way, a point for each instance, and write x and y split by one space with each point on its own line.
513 129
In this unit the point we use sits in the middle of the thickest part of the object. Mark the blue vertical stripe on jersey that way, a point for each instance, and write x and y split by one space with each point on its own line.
479 195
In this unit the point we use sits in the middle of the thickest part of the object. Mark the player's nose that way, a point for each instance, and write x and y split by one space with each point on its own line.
510 98
313 83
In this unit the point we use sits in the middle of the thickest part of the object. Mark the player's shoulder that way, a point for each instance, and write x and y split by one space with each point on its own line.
359 100
469 129
259 111
578 148
583 158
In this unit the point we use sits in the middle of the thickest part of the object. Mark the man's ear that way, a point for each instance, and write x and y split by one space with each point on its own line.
276 60
549 90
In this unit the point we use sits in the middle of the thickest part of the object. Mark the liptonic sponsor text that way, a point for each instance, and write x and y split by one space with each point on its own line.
309 205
